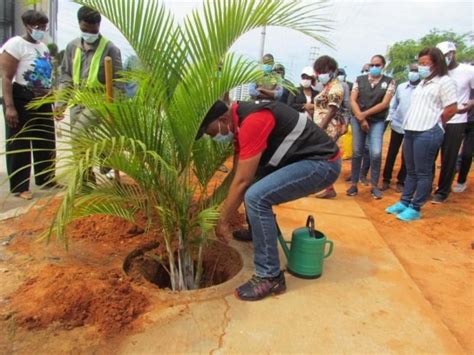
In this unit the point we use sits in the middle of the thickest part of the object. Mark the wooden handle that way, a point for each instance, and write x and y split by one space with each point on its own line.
109 88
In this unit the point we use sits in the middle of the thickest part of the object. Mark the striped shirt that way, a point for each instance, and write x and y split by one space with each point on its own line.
428 102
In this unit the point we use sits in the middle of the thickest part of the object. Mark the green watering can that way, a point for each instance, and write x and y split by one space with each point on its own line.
308 251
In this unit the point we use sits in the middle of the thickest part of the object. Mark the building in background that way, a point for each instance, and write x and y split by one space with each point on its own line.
7 16
240 93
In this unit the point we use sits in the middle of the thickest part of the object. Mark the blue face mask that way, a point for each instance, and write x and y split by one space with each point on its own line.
324 78
375 71
90 37
223 138
424 71
267 68
37 35
413 76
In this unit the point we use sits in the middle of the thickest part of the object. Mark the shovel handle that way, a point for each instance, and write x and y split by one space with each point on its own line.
310 225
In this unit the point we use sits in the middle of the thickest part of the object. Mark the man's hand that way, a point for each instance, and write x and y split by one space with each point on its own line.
364 126
223 232
467 107
11 116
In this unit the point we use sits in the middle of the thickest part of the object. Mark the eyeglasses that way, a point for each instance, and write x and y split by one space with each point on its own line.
375 65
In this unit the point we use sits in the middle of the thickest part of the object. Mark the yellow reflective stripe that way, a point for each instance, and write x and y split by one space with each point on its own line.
93 75
76 67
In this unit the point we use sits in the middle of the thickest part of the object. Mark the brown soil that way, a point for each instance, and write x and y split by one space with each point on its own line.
76 297
436 251
50 288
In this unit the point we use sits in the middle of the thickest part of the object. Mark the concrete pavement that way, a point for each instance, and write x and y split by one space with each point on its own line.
365 302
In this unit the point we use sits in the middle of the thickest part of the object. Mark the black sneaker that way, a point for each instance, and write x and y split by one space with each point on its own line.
399 187
348 179
258 288
438 199
242 235
385 186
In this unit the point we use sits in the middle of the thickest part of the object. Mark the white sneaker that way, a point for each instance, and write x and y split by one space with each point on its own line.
459 187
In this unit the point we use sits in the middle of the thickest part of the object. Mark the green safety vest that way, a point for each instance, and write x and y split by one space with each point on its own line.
93 76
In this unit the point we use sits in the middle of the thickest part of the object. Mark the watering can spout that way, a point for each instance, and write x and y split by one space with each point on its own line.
283 244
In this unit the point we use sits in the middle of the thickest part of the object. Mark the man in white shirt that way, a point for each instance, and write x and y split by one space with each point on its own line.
463 75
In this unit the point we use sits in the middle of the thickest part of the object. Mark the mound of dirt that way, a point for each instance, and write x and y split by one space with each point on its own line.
100 228
73 296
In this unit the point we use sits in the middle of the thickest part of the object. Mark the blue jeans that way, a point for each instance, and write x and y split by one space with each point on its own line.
419 150
289 183
359 138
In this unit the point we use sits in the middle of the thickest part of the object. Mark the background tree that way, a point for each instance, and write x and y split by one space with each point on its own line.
402 53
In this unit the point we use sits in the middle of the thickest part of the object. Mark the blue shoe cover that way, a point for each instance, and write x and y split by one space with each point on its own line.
397 208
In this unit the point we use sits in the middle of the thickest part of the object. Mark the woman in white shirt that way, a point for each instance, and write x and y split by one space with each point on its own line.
432 105
26 75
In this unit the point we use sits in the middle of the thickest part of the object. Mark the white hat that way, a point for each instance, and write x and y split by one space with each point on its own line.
446 47
308 71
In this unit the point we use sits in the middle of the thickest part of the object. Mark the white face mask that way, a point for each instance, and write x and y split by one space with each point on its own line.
341 78
306 83
89 37
223 138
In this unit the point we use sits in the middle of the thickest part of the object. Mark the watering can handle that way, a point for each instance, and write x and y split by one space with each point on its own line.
331 246
310 225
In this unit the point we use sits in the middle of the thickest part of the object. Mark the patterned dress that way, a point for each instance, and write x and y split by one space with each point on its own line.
331 95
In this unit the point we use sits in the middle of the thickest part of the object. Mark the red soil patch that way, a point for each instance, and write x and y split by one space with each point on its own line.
76 296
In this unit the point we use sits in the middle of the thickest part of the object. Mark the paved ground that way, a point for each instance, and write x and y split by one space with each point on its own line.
364 303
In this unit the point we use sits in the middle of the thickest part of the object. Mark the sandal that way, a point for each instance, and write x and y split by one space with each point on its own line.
25 195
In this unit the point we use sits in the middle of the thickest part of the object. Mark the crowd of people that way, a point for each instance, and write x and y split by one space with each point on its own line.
429 113
285 138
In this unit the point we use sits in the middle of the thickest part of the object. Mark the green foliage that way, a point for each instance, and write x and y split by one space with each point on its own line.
150 137
402 53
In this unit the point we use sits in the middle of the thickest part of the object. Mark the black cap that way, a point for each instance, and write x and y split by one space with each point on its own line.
341 71
217 110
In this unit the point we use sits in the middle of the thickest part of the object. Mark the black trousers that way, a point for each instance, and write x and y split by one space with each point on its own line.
466 153
33 135
453 136
396 140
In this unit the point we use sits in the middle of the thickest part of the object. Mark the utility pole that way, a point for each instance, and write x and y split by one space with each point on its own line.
262 42
313 54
